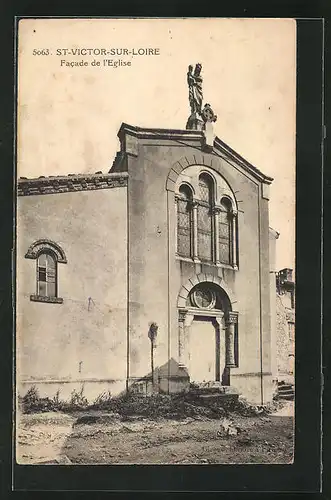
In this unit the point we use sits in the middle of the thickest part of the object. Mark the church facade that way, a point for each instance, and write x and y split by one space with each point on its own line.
176 234
153 276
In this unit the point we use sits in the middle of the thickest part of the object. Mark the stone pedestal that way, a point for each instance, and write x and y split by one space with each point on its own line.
195 122
209 136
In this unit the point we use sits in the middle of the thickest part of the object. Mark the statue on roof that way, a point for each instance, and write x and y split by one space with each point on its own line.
194 80
199 116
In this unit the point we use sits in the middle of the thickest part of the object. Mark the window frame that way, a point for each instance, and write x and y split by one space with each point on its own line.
189 200
210 205
228 210
35 251
217 196
52 255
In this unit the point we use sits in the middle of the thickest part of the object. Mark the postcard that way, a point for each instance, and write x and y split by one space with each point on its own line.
155 295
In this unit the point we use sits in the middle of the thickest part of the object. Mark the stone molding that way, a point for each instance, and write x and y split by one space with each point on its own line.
265 191
43 245
70 183
131 145
159 133
190 136
200 278
208 160
232 317
216 210
49 300
68 380
251 374
181 315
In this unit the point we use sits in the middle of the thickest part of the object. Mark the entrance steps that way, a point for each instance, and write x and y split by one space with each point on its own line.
213 392
285 391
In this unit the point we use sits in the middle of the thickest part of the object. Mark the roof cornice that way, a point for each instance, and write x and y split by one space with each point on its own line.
160 133
70 183
192 136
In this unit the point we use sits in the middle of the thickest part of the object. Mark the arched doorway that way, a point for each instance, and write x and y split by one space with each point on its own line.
207 334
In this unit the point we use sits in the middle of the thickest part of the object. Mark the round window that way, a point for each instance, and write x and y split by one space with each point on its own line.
204 298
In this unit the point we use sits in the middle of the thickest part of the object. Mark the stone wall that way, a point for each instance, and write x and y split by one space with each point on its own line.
284 345
153 161
82 341
122 272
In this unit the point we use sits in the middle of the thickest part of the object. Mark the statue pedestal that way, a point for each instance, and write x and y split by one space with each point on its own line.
195 122
209 136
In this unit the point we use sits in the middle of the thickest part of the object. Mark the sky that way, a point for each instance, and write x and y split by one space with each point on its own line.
69 116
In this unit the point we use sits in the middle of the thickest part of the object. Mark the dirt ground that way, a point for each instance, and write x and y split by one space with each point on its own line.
100 438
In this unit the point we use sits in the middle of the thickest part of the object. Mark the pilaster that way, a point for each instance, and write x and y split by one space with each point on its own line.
231 321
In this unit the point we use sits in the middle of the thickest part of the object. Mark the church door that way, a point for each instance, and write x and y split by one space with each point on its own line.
206 353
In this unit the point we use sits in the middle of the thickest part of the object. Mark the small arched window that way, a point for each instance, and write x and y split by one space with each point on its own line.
205 217
225 232
184 221
46 275
47 255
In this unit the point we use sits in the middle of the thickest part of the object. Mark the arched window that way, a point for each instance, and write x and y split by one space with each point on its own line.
46 275
205 217
225 232
48 255
184 221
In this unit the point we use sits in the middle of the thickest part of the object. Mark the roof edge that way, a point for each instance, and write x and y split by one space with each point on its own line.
241 160
151 133
70 183
192 135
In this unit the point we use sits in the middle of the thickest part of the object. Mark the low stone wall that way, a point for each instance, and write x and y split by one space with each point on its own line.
90 389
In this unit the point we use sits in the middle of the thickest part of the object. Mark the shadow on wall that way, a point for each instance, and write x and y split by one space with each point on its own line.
168 378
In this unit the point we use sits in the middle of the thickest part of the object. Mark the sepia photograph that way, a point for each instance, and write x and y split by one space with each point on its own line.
155 241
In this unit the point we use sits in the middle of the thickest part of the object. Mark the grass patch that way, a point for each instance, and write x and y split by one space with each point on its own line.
175 406
31 402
